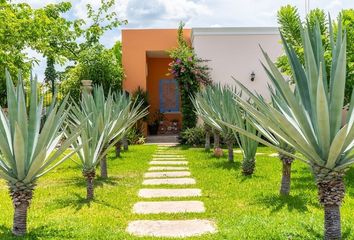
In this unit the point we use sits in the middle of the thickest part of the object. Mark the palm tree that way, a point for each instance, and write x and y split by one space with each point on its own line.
107 123
27 150
217 103
309 118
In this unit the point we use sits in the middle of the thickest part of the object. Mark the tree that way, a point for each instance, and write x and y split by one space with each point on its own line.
290 27
50 74
309 119
95 62
217 103
43 30
28 151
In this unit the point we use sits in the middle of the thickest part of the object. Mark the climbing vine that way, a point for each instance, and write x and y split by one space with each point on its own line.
191 73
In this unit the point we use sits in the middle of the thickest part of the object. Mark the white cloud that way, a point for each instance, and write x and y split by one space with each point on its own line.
185 9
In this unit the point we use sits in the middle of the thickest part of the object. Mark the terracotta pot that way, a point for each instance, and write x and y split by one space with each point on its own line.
218 152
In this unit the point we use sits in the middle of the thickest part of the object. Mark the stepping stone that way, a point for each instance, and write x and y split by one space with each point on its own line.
168 168
166 156
169 181
171 228
169 159
237 151
182 192
166 174
168 163
168 207
274 155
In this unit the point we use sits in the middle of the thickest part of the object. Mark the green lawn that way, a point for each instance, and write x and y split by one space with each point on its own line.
242 207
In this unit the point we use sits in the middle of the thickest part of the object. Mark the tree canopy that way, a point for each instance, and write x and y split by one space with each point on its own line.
47 31
289 19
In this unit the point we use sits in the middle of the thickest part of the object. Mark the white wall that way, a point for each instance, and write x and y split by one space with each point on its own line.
236 52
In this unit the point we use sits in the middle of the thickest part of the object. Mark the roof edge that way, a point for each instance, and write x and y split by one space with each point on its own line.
214 31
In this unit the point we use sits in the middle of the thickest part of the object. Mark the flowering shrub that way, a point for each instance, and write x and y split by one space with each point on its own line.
191 73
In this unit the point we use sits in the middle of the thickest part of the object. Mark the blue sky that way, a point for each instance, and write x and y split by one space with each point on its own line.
196 13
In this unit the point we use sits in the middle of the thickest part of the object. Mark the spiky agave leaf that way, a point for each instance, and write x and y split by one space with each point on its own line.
109 118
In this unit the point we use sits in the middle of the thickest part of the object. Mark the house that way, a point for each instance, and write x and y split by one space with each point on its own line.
231 52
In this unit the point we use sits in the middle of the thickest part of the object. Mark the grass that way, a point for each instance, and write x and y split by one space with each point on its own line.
242 207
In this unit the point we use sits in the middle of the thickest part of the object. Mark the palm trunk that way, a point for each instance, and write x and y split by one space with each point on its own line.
20 219
332 222
331 191
286 176
216 140
103 167
118 148
21 197
248 166
231 151
125 144
207 141
90 176
285 179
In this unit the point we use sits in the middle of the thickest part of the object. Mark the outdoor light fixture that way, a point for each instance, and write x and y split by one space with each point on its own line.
253 76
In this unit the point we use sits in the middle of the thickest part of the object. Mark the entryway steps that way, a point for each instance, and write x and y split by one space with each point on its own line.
169 169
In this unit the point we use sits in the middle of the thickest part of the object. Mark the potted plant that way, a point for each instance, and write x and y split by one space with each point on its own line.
154 122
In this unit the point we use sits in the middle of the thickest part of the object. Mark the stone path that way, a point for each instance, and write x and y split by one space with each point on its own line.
169 169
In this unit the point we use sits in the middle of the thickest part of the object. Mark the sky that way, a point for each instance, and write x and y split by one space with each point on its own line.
195 13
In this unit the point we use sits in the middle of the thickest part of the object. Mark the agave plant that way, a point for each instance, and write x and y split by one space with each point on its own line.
217 103
28 152
309 119
107 124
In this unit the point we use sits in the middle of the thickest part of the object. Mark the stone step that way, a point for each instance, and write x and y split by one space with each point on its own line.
167 174
169 159
168 163
162 192
169 181
169 207
167 156
171 228
167 168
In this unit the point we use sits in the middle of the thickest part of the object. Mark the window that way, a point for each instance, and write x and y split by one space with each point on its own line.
169 95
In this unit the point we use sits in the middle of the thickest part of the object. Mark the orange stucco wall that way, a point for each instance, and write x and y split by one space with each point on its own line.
135 45
145 71
158 69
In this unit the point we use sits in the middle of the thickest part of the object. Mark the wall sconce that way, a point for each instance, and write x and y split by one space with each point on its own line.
253 76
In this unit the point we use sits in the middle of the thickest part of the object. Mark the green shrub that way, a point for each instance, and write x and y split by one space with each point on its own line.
193 136
135 136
